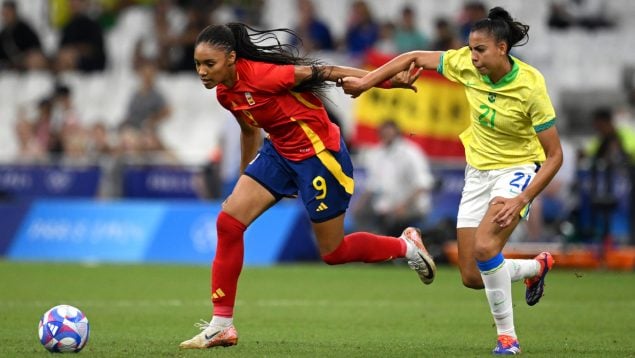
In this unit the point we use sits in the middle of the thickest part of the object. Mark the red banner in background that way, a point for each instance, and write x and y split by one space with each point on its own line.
433 117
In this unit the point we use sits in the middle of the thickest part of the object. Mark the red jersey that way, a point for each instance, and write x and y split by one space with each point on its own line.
297 123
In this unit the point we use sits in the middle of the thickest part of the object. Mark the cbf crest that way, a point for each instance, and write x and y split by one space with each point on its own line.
491 97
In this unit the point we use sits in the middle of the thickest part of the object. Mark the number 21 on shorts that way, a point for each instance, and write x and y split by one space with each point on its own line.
519 182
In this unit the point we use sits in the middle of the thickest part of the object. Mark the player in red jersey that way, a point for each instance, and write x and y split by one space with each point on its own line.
266 86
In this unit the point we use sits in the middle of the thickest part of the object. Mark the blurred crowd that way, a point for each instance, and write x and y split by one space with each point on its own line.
54 131
167 46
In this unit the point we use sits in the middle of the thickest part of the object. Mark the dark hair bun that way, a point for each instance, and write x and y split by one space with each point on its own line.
503 27
498 13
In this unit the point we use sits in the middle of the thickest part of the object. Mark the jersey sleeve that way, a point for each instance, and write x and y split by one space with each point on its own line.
452 62
541 111
273 78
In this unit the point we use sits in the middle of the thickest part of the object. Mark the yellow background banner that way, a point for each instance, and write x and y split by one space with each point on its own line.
438 110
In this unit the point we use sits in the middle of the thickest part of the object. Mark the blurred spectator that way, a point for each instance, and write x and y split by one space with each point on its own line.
168 22
20 47
71 137
47 135
142 147
385 44
75 144
472 12
63 110
399 183
197 20
588 14
154 150
407 36
559 18
63 116
29 149
139 131
313 32
555 202
82 42
445 37
612 155
245 11
613 146
362 31
147 107
100 144
129 146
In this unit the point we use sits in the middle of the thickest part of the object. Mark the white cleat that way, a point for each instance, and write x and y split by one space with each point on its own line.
421 261
211 336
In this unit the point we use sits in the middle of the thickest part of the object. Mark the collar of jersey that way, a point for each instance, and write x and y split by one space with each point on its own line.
508 78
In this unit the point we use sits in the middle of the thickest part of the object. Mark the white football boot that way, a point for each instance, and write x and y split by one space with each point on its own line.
211 336
418 257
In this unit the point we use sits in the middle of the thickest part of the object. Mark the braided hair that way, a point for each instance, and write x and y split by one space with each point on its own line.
265 46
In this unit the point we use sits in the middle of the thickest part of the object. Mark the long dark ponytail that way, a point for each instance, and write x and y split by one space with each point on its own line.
501 25
264 46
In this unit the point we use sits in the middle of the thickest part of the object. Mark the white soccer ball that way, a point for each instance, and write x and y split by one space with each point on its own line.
64 328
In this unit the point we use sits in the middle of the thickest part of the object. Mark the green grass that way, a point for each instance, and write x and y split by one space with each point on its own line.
314 311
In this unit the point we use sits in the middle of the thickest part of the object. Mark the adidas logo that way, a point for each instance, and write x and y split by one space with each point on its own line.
218 294
53 328
321 207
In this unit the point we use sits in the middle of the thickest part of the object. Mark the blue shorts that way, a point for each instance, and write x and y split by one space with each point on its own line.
325 181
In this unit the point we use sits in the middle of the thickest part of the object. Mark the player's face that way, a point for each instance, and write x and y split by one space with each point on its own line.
214 65
488 55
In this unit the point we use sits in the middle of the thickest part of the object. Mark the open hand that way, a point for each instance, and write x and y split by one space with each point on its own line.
510 210
406 78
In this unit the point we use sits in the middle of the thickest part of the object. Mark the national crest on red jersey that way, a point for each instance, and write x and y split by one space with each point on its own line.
297 123
249 98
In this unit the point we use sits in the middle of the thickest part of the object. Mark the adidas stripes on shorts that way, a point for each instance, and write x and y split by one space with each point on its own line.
324 181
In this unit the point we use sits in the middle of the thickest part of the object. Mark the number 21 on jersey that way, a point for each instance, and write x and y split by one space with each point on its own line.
487 116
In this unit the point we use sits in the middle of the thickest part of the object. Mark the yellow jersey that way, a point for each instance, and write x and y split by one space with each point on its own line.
505 116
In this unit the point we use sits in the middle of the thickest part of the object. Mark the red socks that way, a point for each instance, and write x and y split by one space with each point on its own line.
228 263
366 247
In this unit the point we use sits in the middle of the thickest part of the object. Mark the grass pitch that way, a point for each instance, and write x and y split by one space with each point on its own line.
314 311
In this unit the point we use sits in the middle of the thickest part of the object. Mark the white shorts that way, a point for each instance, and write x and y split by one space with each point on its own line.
481 186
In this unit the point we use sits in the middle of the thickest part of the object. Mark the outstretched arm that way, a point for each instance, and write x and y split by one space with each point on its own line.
427 60
401 79
328 73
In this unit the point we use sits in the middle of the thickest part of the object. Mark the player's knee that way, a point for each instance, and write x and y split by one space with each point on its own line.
484 252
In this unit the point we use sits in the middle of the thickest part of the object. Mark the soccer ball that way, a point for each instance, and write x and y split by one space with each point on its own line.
63 328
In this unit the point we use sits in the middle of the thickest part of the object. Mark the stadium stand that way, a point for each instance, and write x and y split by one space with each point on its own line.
583 69
563 57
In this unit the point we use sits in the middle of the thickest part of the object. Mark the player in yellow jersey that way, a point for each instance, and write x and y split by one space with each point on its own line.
512 135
